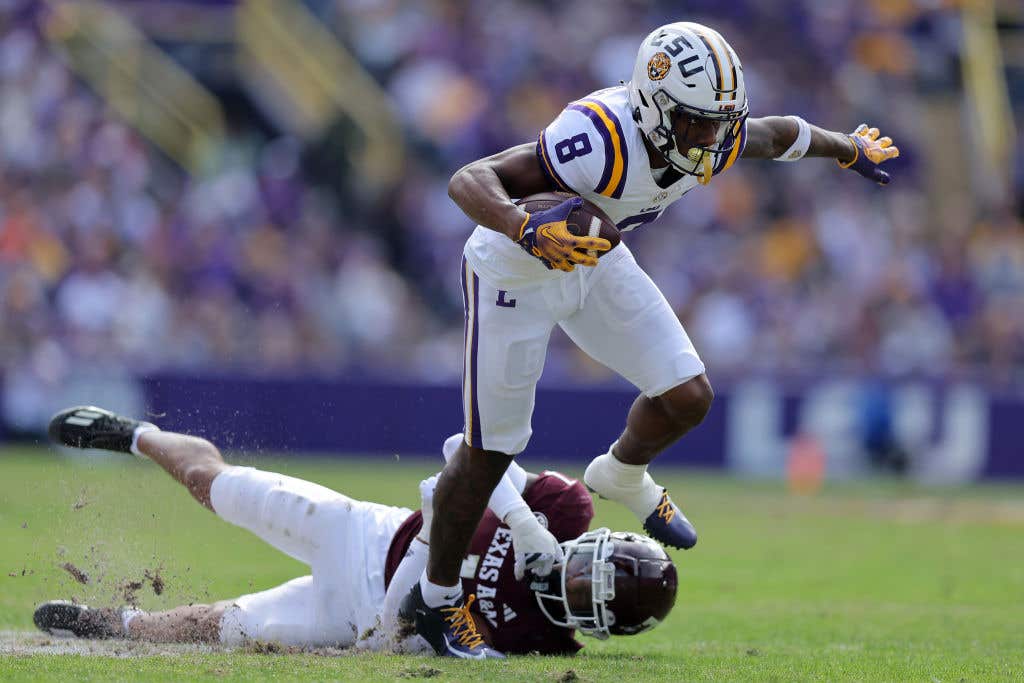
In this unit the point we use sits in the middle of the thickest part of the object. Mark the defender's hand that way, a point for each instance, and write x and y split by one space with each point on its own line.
870 151
546 236
537 551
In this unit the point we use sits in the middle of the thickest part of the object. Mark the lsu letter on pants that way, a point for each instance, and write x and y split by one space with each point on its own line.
344 542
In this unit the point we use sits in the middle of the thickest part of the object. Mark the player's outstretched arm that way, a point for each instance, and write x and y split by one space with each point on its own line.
771 136
790 138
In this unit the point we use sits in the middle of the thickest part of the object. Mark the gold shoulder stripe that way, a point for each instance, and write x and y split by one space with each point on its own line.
618 149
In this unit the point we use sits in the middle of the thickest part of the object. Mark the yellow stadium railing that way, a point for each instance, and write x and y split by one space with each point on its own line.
142 84
307 79
984 77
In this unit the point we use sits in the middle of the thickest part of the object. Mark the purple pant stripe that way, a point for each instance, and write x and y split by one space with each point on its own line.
465 346
478 440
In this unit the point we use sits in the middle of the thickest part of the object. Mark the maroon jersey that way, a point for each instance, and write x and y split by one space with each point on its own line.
488 570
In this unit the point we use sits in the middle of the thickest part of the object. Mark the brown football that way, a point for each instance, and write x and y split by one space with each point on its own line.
586 220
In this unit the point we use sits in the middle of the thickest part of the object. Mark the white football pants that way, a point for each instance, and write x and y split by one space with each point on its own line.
614 312
344 541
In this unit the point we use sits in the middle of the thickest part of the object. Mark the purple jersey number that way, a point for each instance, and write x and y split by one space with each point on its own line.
570 148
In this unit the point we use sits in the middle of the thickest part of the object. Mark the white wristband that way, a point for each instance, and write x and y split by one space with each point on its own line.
799 147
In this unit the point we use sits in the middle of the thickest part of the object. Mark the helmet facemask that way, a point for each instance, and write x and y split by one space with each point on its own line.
611 584
572 603
699 160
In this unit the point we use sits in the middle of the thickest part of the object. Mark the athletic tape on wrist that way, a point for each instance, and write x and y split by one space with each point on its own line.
517 475
799 147
519 516
505 498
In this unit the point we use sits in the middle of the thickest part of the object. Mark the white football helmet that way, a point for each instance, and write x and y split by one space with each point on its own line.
687 69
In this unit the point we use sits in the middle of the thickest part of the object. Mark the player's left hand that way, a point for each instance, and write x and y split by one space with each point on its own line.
871 151
545 236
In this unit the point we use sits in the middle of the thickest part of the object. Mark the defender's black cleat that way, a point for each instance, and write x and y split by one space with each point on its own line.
449 630
92 427
62 618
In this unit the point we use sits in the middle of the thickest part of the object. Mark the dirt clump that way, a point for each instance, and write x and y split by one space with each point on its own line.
155 580
128 590
76 573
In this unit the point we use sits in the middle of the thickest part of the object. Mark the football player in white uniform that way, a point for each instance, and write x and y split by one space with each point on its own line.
364 557
632 150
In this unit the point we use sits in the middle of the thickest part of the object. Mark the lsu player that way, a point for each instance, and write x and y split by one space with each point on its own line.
364 557
682 120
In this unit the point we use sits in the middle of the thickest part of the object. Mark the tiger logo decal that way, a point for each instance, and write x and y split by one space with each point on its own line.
659 66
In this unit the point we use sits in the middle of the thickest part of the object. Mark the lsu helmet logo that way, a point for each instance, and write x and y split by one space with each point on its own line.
659 66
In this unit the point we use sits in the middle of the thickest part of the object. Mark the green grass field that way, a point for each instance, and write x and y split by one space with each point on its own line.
868 581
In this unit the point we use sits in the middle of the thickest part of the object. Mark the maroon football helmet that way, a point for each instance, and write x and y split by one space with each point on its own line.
611 584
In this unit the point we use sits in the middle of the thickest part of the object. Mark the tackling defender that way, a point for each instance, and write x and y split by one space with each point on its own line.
364 558
632 150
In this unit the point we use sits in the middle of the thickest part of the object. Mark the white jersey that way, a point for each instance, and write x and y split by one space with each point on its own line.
594 149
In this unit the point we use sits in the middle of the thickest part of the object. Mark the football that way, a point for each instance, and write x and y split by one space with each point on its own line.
586 220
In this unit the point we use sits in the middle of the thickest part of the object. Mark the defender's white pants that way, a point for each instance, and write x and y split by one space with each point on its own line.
344 541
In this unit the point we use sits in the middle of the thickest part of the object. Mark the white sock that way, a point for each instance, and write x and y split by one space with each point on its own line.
127 614
439 596
626 484
139 431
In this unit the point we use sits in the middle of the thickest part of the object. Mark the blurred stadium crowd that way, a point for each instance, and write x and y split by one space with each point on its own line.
111 255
